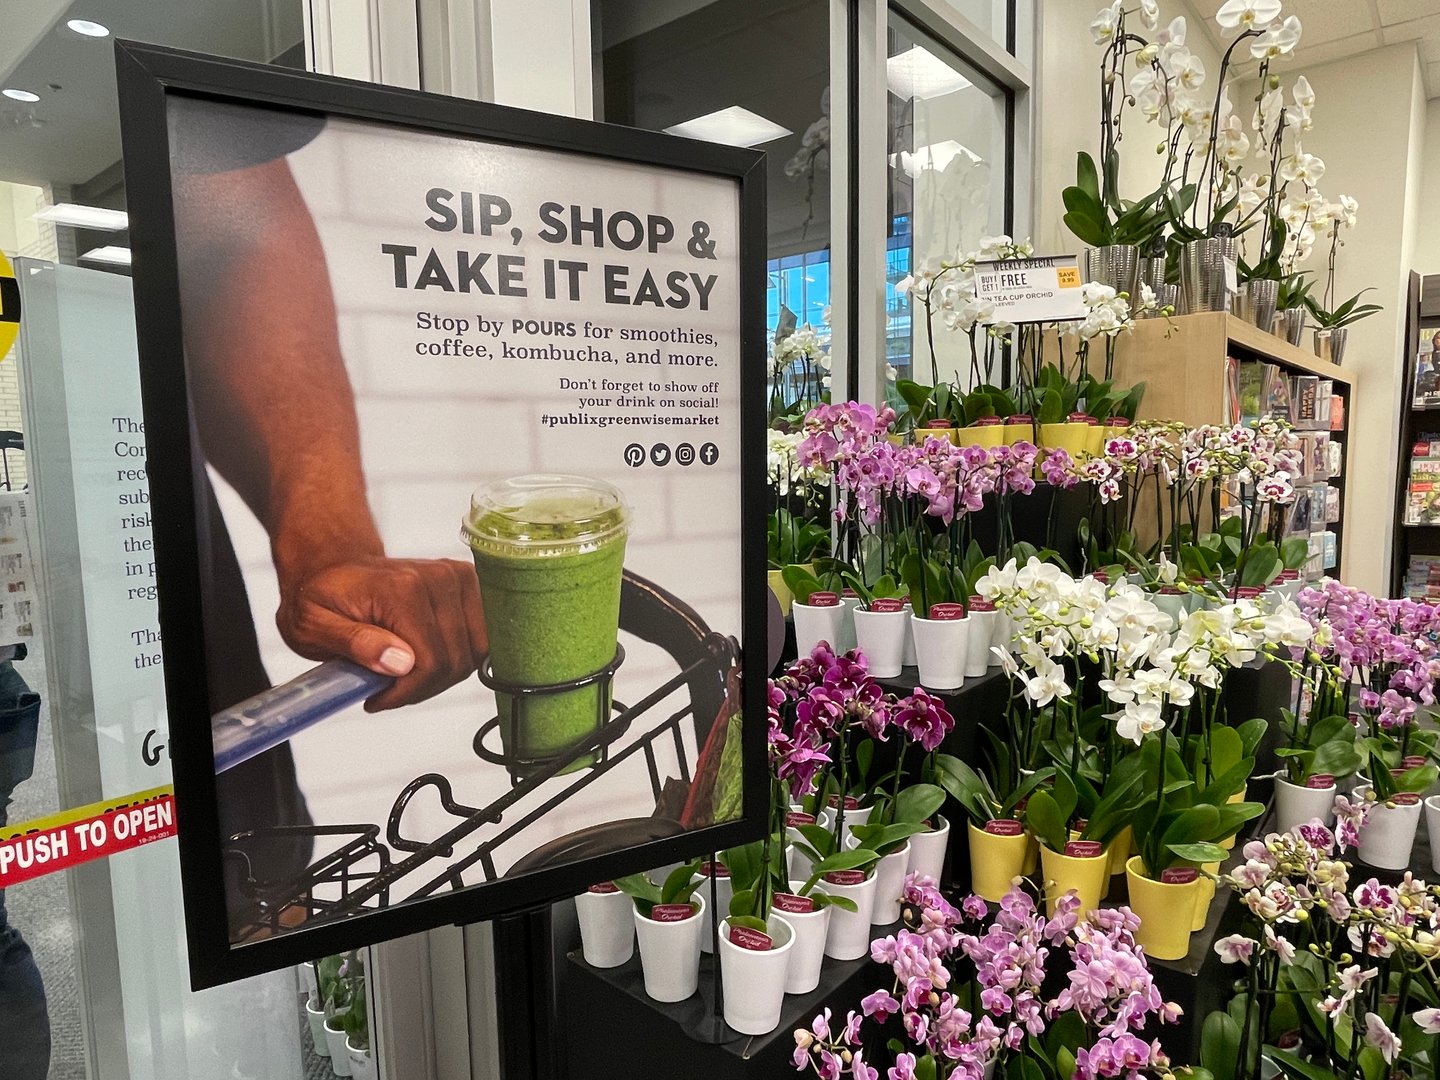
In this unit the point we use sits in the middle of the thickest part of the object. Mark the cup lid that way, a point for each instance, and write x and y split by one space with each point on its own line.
545 515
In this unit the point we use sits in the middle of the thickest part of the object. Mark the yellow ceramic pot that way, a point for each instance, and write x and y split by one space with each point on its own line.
776 580
950 434
897 438
1088 876
988 436
1204 894
1239 796
1164 932
1109 431
1120 850
996 860
1017 429
1094 439
1069 437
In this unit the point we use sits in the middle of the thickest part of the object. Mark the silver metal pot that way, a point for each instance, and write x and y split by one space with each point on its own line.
1203 285
1117 265
1255 302
1291 325
1330 344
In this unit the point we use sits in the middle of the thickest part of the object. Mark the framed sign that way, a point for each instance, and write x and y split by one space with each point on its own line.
455 431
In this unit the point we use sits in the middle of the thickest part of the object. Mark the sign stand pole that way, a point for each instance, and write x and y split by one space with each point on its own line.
525 1002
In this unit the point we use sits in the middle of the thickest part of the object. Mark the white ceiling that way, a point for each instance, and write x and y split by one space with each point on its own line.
1334 29
73 132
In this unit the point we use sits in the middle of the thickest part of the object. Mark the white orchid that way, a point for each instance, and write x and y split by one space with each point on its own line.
1105 24
1137 720
1254 190
1231 142
1247 14
1187 69
1278 40
1174 34
1304 96
1348 209
1150 13
1306 168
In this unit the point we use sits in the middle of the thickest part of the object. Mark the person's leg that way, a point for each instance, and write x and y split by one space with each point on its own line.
24 1019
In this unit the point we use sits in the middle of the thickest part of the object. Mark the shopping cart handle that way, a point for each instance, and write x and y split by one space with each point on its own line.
269 719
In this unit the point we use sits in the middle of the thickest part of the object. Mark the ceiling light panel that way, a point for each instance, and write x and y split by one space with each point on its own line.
734 126
919 73
85 217
114 256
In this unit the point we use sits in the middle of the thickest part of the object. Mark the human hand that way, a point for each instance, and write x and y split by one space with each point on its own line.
418 620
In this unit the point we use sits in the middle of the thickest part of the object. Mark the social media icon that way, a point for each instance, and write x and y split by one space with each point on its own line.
709 453
660 453
685 454
634 455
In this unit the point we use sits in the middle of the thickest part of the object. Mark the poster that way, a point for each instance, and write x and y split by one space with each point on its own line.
465 433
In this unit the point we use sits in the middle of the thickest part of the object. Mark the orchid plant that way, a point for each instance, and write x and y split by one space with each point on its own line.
1013 994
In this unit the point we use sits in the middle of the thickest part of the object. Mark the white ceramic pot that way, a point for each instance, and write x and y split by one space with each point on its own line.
880 635
808 951
310 986
927 850
754 982
724 891
847 624
670 953
798 863
607 926
848 937
889 886
1172 604
941 651
339 1059
982 633
1298 804
362 1063
315 1014
908 656
854 815
816 624
1003 631
1388 834
1432 826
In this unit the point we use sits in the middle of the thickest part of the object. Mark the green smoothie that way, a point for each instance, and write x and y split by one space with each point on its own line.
549 552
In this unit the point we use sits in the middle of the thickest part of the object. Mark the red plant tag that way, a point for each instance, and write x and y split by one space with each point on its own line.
1320 780
851 802
715 869
824 599
1406 798
979 603
1083 849
1003 827
1289 575
886 605
846 877
1179 875
796 905
795 818
604 888
1019 418
850 594
1081 418
671 912
947 612
987 421
1413 761
1117 421
1169 590
1288 1040
1101 576
753 940
1399 772
937 424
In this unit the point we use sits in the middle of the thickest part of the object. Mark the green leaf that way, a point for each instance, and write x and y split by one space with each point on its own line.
1087 179
1043 818
1199 853
680 885
801 582
917 802
1220 1045
1296 1067
750 922
854 859
1085 229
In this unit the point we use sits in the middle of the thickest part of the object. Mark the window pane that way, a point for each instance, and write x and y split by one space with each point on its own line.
658 68
948 148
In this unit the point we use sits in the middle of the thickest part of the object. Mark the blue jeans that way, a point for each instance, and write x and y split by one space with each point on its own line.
24 1019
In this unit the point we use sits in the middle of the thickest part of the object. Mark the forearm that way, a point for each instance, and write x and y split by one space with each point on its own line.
273 403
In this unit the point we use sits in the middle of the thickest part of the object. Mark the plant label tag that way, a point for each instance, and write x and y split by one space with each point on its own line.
846 877
824 599
1046 288
1081 418
1319 781
1406 798
1083 849
714 869
979 603
795 905
745 938
937 424
851 803
1179 875
672 912
1232 279
604 888
795 818
887 605
1413 761
1003 827
947 612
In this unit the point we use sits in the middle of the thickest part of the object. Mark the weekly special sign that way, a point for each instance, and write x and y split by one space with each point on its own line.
1045 288
461 398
